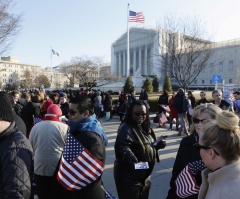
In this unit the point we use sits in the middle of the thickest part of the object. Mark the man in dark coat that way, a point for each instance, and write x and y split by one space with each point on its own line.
143 95
19 122
203 99
217 99
64 105
181 108
32 109
15 157
85 128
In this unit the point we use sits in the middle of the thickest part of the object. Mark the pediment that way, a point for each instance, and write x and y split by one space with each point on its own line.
135 34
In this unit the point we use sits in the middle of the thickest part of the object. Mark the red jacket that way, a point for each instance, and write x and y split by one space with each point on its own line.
173 112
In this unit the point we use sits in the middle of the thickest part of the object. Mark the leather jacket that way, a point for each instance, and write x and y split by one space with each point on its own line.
127 151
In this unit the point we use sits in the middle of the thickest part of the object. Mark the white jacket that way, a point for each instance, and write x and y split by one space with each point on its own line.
47 139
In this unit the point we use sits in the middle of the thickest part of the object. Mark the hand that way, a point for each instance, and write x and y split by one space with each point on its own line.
161 145
132 162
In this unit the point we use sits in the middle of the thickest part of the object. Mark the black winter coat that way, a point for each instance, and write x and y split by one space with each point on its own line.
143 96
28 112
65 107
178 102
187 153
224 105
126 148
95 146
107 105
20 123
202 101
16 164
193 101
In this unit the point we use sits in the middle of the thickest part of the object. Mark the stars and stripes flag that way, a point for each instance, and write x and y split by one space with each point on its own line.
36 120
163 118
136 17
78 166
186 184
55 53
107 194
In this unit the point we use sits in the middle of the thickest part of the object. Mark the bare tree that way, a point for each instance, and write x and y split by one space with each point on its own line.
42 80
184 48
106 77
82 70
85 71
9 25
27 80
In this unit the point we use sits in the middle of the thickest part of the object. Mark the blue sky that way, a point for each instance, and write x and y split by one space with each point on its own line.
89 27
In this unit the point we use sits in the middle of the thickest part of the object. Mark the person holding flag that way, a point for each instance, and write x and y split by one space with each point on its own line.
78 174
186 173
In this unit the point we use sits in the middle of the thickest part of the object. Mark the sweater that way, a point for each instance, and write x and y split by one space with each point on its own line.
47 139
223 183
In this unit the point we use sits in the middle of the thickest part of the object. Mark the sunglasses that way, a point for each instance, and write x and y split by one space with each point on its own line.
138 114
199 147
196 120
72 112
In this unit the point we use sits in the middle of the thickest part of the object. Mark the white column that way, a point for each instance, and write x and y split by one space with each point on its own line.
124 64
119 64
134 61
115 64
139 60
150 59
145 69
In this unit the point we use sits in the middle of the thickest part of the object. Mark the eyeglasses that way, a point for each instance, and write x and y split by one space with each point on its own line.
72 112
196 120
138 114
199 147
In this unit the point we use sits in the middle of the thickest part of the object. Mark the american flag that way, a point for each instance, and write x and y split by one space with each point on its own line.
163 117
107 194
78 166
185 183
36 120
136 17
55 53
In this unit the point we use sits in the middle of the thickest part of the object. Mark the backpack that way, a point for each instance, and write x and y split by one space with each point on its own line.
185 104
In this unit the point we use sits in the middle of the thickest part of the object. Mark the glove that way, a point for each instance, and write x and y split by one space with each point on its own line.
161 145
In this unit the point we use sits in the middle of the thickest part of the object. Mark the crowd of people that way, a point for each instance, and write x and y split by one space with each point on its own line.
53 144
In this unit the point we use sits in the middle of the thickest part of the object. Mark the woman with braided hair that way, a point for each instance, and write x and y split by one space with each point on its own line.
135 144
219 147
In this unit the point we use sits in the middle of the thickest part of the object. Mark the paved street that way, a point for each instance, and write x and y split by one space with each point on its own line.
162 171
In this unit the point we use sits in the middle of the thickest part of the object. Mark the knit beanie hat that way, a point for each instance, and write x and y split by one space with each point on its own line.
5 111
55 110
46 105
63 95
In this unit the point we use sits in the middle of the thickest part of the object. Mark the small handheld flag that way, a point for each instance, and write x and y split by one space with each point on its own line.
78 167
186 184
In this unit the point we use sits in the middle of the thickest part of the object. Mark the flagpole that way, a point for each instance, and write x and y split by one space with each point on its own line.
128 68
51 67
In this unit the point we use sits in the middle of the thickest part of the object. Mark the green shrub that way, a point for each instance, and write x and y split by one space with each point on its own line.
153 103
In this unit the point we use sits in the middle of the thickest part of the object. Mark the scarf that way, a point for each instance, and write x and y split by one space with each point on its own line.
147 153
89 124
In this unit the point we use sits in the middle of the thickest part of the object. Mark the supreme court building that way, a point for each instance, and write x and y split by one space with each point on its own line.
142 45
145 47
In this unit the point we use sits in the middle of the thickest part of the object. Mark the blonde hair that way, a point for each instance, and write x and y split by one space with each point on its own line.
224 135
208 108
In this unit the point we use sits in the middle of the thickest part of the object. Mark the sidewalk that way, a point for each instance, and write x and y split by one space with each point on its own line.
162 171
